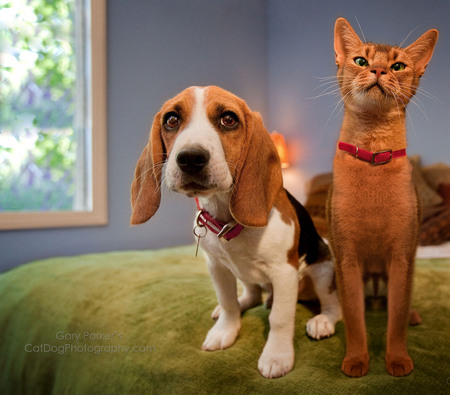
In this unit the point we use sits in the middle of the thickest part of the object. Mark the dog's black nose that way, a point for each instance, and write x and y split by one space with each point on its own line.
192 160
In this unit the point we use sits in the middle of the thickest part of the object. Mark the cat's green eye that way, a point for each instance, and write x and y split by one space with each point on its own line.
361 61
399 66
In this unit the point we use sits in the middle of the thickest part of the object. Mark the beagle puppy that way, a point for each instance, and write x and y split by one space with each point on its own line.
206 143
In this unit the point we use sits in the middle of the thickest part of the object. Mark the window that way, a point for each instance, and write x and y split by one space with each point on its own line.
52 113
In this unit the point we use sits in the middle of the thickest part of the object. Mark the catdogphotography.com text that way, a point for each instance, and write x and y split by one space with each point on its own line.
85 348
81 342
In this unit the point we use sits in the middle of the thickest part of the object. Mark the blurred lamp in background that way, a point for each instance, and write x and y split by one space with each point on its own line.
281 146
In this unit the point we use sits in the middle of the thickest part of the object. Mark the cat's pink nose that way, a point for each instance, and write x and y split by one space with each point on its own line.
378 71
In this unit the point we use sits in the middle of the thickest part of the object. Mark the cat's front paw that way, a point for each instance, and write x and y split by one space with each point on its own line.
399 367
355 367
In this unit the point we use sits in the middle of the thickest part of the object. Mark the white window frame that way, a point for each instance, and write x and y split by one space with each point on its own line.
96 141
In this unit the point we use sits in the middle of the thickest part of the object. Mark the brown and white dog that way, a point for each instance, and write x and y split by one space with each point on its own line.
205 142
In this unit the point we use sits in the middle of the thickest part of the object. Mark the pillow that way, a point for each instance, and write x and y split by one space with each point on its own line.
436 230
320 183
317 196
428 196
437 174
444 191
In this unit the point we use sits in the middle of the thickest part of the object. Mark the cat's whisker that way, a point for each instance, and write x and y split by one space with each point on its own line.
335 91
397 99
416 104
360 28
404 40
330 83
423 92
428 94
408 116
332 88
331 77
420 101
333 81
407 113
420 108
354 89
411 122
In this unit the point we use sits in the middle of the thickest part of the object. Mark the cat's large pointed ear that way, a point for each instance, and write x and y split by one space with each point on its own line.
421 50
146 187
344 38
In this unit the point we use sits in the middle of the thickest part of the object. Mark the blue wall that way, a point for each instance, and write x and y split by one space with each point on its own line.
268 52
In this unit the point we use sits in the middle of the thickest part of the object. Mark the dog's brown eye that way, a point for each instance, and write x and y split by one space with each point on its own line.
228 120
172 120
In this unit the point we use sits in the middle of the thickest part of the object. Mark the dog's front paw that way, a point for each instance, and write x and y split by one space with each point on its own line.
399 367
276 360
222 335
320 327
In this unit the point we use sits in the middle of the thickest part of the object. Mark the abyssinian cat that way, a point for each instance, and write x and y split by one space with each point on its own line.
373 209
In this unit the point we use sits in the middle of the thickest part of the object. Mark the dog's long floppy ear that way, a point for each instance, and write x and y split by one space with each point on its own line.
146 187
258 179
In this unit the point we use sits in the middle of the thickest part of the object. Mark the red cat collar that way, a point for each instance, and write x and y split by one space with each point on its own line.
228 230
374 158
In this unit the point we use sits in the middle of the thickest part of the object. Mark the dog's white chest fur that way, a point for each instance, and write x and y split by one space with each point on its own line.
253 255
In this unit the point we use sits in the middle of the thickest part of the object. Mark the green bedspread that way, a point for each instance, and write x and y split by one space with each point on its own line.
134 322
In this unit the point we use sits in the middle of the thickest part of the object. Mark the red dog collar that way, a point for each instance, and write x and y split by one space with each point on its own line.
228 230
374 158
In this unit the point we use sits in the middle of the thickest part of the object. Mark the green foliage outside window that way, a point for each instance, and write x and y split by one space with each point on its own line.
37 105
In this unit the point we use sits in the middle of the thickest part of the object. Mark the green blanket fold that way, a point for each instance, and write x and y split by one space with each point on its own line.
133 323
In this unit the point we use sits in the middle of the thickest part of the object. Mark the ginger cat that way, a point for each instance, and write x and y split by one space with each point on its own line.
373 209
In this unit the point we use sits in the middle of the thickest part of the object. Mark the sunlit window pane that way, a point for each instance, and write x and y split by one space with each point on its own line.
38 105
